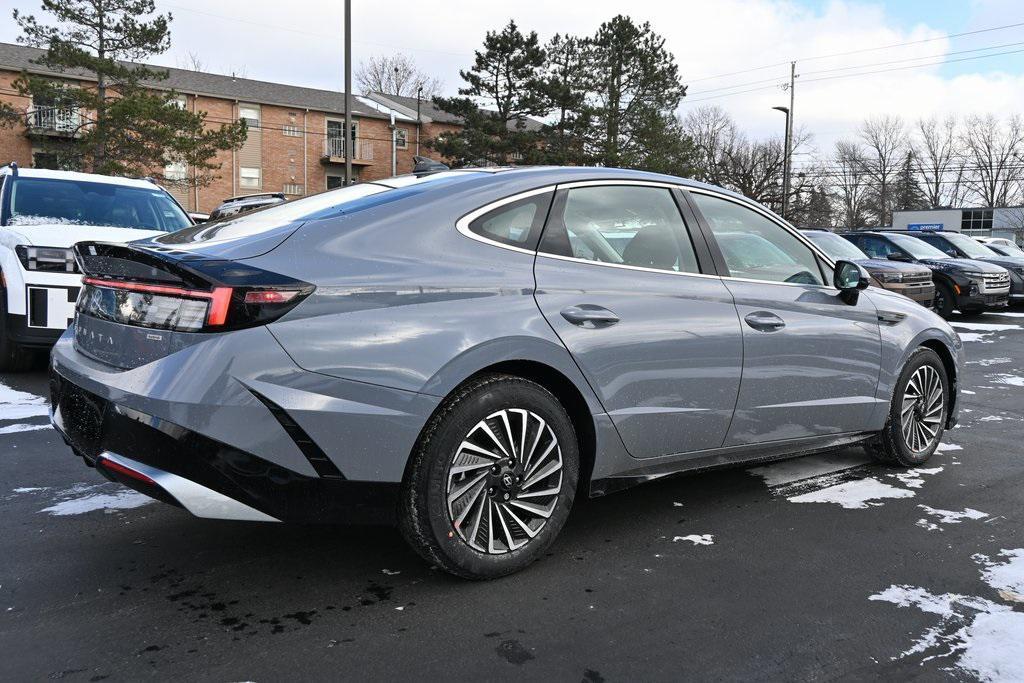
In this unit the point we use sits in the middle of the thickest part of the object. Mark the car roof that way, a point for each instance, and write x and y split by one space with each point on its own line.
80 177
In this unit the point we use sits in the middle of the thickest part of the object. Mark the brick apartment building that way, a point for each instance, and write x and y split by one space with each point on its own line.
296 136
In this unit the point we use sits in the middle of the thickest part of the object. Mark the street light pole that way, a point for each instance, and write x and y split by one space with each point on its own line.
349 142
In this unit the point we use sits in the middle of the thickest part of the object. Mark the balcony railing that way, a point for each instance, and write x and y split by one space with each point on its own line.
61 120
334 149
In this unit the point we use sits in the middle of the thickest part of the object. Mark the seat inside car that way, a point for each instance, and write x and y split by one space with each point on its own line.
653 246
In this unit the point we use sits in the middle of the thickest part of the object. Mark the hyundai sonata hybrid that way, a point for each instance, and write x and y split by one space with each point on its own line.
464 353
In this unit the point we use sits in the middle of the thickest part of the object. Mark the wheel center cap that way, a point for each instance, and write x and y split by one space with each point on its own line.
507 481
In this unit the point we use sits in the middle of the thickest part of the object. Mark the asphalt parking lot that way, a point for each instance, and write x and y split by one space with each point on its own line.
818 568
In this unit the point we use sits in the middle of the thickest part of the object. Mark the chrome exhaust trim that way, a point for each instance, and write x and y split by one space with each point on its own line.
196 498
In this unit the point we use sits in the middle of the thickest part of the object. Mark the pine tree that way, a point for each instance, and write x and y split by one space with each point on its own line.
124 124
636 90
503 91
565 86
908 195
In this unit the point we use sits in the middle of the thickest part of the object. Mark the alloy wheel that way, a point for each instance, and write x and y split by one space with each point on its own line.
921 413
504 481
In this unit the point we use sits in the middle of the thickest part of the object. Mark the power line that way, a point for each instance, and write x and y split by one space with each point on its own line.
688 100
860 51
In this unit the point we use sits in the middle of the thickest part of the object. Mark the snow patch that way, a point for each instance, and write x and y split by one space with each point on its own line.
29 489
945 447
985 327
82 498
696 539
17 405
952 516
1012 380
15 428
975 337
805 471
854 495
986 637
992 418
985 362
913 478
969 393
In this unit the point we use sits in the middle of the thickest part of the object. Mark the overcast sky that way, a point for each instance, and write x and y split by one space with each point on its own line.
300 42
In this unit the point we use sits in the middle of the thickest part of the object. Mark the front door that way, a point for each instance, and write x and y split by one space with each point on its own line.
810 359
620 281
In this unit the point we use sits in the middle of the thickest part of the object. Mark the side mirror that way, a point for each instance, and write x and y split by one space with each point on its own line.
849 279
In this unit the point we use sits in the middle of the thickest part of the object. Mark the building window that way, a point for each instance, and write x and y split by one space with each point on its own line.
292 131
249 114
176 171
293 188
179 102
976 221
402 138
249 178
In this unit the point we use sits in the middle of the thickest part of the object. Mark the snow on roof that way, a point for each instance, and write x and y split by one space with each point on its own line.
81 177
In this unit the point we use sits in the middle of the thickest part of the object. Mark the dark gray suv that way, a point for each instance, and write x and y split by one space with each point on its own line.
464 352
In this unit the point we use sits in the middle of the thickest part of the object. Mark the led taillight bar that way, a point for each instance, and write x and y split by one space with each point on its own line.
219 298
126 471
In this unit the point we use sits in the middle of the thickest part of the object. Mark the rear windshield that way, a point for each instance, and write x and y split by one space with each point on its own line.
329 204
52 201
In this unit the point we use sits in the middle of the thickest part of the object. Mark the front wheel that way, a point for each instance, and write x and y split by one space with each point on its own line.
492 478
917 415
945 301
13 357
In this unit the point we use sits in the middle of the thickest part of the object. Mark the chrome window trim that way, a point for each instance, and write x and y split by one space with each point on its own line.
559 257
462 224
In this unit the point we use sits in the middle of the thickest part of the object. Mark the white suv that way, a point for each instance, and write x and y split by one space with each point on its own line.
44 213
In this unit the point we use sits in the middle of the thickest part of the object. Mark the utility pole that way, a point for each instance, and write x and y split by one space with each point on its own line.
419 124
786 173
349 142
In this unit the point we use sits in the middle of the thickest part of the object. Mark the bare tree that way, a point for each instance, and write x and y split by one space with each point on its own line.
395 75
852 183
993 151
884 141
937 158
191 62
710 129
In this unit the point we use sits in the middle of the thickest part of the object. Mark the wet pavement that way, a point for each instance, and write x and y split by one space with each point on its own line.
820 567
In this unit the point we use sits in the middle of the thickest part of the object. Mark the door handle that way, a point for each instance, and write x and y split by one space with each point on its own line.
589 315
764 321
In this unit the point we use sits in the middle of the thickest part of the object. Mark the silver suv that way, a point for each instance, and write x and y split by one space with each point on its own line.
466 351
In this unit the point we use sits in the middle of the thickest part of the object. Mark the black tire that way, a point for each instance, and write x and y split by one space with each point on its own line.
425 513
945 300
13 357
891 446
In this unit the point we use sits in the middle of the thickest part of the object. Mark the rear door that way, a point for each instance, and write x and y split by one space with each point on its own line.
810 360
633 297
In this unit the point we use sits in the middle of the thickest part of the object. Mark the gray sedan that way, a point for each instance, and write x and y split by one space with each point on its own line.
463 353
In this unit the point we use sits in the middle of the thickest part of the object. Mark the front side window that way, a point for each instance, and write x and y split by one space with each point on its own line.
517 223
755 247
49 201
628 225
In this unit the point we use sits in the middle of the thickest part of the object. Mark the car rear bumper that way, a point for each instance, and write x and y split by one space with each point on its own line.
302 448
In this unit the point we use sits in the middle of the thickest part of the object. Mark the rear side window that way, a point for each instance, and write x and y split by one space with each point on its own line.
757 248
630 225
517 224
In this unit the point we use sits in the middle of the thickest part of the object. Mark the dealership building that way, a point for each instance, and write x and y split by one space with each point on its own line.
1005 222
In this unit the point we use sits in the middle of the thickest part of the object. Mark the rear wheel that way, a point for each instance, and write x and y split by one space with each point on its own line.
492 479
917 415
945 300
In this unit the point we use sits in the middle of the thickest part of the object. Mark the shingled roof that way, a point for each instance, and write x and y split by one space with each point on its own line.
19 58
431 112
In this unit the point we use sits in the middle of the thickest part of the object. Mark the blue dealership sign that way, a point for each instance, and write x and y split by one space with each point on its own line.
925 227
